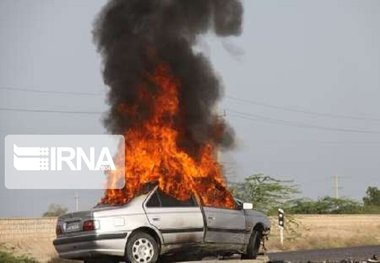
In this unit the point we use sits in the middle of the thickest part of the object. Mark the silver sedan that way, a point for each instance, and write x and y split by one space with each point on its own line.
154 224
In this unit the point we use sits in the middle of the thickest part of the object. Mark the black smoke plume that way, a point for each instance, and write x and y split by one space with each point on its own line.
132 35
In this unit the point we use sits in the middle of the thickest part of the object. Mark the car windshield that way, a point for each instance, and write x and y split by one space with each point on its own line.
239 203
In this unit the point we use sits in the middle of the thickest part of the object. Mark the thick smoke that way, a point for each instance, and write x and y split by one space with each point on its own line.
134 35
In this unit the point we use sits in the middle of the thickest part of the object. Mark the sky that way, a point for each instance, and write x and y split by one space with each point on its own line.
301 84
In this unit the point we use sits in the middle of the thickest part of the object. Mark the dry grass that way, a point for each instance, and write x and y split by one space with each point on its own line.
313 231
329 231
40 249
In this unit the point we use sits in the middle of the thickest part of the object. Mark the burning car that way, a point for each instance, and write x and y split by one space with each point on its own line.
163 97
155 223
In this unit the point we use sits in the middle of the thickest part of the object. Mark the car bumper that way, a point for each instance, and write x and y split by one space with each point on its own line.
91 245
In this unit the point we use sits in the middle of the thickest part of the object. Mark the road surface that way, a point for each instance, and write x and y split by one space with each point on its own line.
341 255
353 254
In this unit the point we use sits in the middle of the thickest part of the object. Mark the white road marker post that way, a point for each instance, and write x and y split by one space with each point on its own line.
281 224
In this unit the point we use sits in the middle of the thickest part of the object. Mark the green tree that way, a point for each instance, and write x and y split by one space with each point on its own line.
55 210
373 197
266 193
325 205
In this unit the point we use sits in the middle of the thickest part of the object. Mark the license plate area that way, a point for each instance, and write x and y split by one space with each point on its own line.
72 226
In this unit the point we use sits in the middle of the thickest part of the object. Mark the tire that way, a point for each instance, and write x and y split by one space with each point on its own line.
142 248
253 245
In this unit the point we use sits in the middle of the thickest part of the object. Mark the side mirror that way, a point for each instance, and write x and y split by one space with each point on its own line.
247 206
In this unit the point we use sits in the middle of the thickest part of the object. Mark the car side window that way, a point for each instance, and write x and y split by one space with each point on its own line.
154 201
168 201
161 199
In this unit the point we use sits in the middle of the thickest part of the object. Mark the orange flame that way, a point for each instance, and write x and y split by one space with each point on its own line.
152 153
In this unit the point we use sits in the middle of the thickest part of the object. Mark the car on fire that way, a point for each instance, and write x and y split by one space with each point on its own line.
155 224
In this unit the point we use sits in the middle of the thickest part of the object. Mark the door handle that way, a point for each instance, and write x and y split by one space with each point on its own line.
211 218
155 218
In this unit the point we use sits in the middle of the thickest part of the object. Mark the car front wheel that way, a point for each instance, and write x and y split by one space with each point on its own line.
142 248
253 245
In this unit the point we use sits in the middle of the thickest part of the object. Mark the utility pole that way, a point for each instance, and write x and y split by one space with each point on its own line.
76 201
336 186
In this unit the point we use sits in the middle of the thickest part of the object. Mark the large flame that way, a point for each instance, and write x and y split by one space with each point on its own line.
152 153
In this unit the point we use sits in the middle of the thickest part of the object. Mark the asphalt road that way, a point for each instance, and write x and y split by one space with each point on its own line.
341 255
353 254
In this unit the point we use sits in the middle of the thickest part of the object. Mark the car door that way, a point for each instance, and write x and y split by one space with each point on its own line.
225 225
178 222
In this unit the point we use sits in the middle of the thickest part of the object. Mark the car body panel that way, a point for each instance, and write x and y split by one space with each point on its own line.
215 229
177 224
92 246
225 225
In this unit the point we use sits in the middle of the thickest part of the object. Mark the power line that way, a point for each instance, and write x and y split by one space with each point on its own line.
336 116
50 111
321 114
254 117
248 116
52 91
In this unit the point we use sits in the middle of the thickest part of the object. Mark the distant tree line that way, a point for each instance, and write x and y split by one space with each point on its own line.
55 210
268 194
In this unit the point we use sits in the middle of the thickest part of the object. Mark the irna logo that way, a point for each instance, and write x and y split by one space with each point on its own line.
59 158
64 161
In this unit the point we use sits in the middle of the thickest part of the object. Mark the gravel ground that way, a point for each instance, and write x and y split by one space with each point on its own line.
353 254
341 255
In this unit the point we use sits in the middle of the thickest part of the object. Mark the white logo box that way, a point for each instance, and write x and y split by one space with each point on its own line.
63 161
